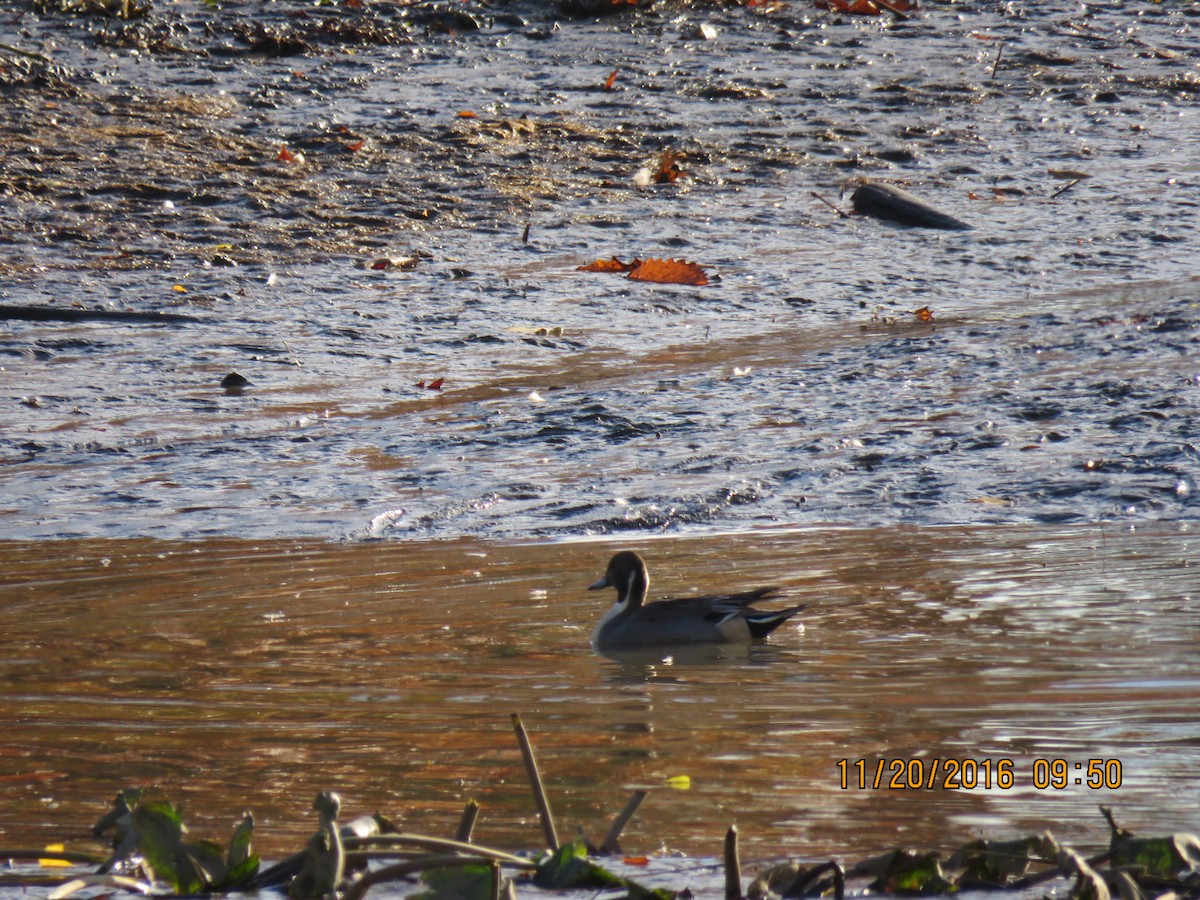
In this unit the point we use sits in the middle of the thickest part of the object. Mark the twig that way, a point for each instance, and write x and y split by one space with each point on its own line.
497 879
609 844
535 781
433 845
1065 188
525 234
466 825
28 54
832 206
733 866
289 349
996 64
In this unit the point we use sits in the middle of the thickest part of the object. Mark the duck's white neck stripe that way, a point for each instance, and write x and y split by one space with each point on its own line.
628 595
616 610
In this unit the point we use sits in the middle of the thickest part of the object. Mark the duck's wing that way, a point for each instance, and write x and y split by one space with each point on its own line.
715 608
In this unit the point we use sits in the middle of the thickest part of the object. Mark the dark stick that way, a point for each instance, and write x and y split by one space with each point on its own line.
74 314
733 866
610 845
535 781
466 825
830 205
996 64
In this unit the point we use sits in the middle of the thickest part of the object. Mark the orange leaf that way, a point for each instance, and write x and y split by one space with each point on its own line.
608 84
285 155
608 265
925 314
436 384
668 168
636 860
356 146
669 271
467 114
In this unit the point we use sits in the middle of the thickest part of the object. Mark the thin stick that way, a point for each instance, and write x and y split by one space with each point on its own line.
610 845
733 866
996 64
433 845
830 205
1065 188
535 781
466 825
295 358
28 54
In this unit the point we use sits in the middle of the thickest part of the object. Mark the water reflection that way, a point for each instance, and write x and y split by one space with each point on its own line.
239 674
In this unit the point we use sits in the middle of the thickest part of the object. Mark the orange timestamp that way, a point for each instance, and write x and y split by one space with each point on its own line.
971 774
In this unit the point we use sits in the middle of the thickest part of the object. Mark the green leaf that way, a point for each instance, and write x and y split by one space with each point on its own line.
241 860
461 883
571 868
907 872
996 862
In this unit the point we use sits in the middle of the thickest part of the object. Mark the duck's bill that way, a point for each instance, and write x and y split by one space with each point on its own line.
602 583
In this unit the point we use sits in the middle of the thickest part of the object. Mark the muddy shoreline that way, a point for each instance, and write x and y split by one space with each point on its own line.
359 202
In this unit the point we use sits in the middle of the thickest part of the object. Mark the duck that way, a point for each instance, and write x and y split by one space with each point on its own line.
719 619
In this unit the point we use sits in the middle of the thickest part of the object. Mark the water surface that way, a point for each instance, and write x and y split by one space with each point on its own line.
233 674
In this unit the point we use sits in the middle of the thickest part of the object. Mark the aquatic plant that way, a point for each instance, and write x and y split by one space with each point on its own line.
149 855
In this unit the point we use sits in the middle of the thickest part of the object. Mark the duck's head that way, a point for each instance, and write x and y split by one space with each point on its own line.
627 573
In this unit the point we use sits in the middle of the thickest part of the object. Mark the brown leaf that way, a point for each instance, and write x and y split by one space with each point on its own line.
608 265
668 168
612 78
925 314
669 271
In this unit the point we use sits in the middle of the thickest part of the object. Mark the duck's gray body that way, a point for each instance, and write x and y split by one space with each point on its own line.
694 620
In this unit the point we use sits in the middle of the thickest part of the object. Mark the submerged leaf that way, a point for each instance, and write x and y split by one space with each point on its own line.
459 883
904 872
996 862
608 265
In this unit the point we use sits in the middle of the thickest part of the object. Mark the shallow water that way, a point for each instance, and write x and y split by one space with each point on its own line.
236 674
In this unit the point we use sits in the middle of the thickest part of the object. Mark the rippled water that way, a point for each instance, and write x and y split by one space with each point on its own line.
239 674
1057 381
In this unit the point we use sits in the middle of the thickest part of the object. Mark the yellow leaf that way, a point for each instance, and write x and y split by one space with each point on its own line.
679 782
52 863
179 289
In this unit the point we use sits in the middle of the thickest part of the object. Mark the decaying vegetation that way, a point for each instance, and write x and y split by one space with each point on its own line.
149 855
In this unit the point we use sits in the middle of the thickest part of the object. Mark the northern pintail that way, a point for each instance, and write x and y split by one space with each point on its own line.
691 620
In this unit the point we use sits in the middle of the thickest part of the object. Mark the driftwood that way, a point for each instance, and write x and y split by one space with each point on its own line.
885 201
74 314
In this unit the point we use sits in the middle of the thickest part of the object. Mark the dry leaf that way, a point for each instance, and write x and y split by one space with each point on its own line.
668 168
608 265
612 78
925 314
669 271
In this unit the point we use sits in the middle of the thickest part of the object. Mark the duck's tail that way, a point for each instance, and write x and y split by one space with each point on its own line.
763 622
